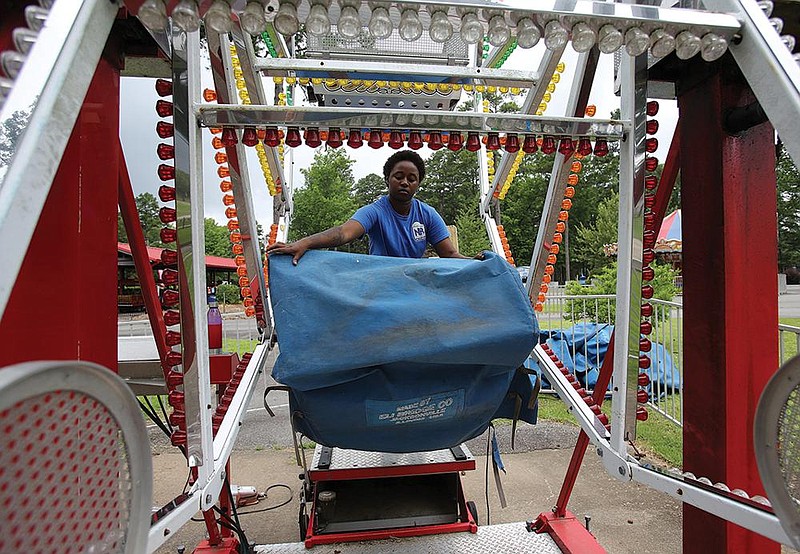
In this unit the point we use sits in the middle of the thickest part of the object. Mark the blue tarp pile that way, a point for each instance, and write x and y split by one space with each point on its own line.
582 348
399 355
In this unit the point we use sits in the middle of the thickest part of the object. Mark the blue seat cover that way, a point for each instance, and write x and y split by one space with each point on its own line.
397 355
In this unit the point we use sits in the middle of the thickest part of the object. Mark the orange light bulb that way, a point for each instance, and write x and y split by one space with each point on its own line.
228 199
220 157
572 179
226 186
561 227
569 192
566 204
209 95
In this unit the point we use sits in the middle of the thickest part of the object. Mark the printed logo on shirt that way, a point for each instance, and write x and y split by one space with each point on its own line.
418 230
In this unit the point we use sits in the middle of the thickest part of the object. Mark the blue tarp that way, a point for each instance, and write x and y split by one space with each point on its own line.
582 348
397 355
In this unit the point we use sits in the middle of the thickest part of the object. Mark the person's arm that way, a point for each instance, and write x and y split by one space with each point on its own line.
446 249
330 238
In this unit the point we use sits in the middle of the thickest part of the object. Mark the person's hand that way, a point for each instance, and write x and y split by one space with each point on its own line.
295 249
479 256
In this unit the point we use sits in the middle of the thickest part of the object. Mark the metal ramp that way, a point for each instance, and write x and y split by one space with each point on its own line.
509 538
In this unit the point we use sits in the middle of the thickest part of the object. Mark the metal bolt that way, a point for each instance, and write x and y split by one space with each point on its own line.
181 549
600 452
587 519
166 532
621 470
208 499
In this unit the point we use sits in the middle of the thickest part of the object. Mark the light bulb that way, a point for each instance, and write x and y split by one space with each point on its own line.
35 17
789 41
440 29
286 22
218 17
471 28
349 24
687 45
583 37
252 18
11 63
186 16
777 24
555 35
636 41
318 23
712 47
153 15
661 43
766 6
609 39
528 33
380 24
410 27
498 33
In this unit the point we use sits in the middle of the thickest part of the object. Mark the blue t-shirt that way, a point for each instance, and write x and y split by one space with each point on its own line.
401 236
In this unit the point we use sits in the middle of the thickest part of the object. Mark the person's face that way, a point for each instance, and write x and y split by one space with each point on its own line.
403 181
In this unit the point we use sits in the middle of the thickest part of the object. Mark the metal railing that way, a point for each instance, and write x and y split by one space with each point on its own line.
239 334
562 313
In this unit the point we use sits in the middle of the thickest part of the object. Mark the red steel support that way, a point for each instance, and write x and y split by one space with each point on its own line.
730 298
64 303
144 271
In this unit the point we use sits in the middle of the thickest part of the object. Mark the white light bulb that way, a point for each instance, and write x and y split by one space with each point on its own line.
777 23
286 22
153 15
440 29
583 37
712 47
555 35
252 18
687 45
471 28
498 32
380 24
766 6
636 41
528 33
186 16
661 43
24 39
349 24
11 63
789 41
218 17
318 23
410 27
609 39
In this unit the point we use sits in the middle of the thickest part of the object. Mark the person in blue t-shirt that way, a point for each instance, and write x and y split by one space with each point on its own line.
397 224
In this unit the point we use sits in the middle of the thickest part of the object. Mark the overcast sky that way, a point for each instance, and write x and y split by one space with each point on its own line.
139 139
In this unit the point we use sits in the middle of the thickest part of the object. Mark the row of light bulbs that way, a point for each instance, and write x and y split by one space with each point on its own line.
475 24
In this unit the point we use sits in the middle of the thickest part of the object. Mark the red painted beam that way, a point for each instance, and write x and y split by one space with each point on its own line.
730 297
64 303
141 259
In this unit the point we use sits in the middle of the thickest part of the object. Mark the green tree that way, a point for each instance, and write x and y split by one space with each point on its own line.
217 238
788 179
472 236
590 239
147 206
451 181
368 189
326 199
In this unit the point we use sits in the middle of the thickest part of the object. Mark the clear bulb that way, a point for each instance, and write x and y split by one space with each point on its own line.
252 18
636 41
349 24
153 15
766 6
687 45
218 17
471 28
410 27
583 37
318 23
441 29
186 16
286 22
528 33
777 23
609 39
498 33
712 47
555 35
380 24
661 43
789 41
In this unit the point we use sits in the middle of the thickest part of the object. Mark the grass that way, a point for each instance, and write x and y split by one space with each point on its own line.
657 437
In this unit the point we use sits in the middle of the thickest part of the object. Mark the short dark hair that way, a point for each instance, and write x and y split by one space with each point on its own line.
404 156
